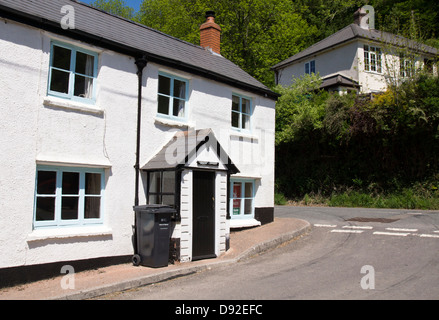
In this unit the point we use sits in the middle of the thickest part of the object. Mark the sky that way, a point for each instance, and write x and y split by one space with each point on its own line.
135 4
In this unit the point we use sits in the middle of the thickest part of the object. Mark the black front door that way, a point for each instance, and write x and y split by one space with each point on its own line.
203 228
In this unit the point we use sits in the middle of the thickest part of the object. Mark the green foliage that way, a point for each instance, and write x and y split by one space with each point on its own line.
404 199
397 16
279 199
300 109
180 19
358 151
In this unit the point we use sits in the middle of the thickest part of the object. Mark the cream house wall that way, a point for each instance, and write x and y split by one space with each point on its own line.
338 60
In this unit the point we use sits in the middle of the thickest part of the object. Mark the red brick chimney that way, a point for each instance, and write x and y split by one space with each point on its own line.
210 33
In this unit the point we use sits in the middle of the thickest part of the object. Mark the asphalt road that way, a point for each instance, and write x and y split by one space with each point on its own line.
349 254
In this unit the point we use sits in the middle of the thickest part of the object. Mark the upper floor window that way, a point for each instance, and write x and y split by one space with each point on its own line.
372 59
310 67
172 96
241 112
72 73
68 196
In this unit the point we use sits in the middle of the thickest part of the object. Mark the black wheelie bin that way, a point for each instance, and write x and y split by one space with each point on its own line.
152 233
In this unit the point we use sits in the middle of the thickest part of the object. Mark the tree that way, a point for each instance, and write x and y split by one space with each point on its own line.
256 34
116 7
300 109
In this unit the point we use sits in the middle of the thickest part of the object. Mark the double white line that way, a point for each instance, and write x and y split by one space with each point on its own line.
399 232
352 229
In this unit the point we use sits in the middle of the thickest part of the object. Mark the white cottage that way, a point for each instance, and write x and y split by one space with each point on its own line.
100 114
359 58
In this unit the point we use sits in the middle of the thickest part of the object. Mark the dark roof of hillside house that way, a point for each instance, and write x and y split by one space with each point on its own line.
109 31
338 80
354 31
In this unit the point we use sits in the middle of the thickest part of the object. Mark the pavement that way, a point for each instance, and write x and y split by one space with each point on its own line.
244 244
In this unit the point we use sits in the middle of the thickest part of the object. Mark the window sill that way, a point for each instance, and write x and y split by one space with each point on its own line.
56 102
243 223
172 123
243 134
68 232
374 72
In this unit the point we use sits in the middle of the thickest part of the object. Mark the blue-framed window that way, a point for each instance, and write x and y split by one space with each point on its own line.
310 67
242 194
173 93
68 196
72 73
241 112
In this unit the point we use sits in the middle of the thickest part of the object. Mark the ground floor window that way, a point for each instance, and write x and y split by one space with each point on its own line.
66 196
242 199
162 188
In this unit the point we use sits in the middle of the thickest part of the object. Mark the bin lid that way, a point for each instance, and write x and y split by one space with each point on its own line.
154 208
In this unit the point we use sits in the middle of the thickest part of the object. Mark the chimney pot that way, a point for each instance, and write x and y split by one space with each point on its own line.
210 14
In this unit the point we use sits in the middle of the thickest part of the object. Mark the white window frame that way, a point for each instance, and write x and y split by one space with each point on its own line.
241 113
58 221
72 73
406 65
310 67
373 59
169 114
242 199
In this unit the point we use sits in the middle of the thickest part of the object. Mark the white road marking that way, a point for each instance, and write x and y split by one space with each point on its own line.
347 231
437 231
358 227
402 229
325 225
391 233
429 235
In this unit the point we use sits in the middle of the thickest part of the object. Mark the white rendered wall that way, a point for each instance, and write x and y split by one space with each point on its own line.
340 60
37 129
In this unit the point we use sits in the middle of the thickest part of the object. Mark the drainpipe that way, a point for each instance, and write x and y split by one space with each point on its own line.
141 64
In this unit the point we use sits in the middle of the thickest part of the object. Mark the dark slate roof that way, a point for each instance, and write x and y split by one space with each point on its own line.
110 31
337 80
189 142
354 31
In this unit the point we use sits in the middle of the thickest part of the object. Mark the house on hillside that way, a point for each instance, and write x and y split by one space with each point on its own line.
100 114
359 58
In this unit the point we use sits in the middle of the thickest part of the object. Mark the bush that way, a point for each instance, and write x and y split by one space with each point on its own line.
279 199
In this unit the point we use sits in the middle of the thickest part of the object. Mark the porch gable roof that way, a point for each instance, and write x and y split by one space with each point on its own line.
182 149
